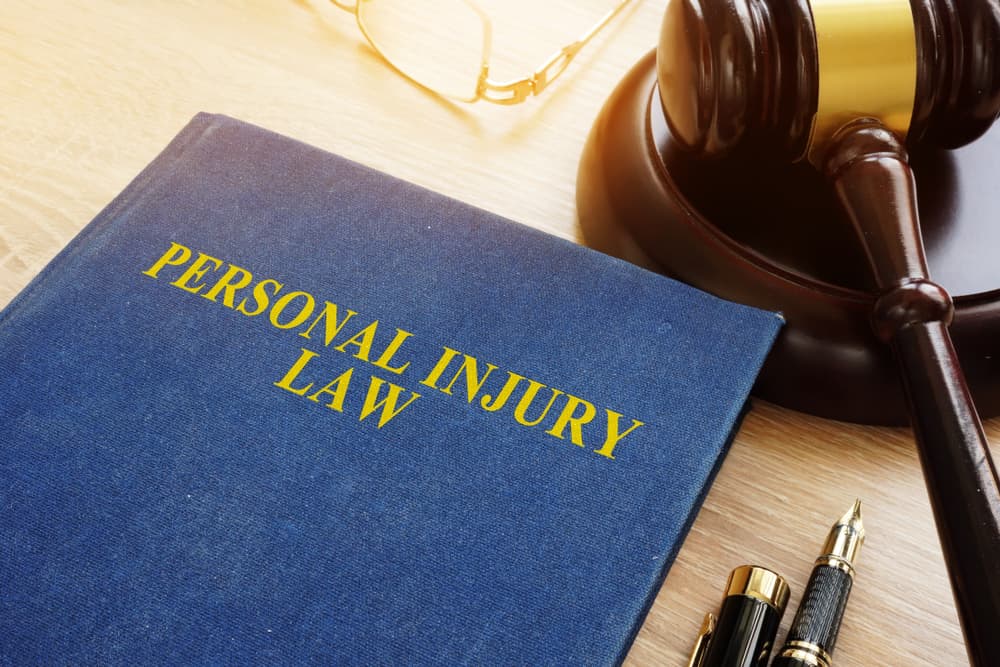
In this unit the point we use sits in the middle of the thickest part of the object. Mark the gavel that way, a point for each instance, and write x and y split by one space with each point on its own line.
846 86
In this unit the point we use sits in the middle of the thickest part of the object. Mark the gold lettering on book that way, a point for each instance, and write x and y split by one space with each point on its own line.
285 310
386 404
296 317
235 278
199 267
261 297
533 402
485 386
333 324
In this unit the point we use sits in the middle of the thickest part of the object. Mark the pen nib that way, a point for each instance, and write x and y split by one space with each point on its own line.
852 518
846 538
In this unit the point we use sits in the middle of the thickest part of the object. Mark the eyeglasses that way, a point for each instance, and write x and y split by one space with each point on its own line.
451 57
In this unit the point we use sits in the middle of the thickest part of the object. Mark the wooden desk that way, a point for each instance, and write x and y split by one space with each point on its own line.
91 91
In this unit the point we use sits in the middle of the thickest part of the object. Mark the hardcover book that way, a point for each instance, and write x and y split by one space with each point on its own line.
273 407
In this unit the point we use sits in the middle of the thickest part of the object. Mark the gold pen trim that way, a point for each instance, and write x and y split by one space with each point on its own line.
837 562
760 583
807 652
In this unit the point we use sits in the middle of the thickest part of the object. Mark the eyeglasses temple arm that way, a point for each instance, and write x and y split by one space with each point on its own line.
514 92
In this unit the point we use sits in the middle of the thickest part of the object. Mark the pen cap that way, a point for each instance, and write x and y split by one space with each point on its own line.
748 619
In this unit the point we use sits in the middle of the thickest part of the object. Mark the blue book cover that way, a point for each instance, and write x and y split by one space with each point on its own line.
272 407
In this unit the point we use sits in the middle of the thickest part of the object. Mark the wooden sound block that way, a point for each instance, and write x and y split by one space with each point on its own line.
770 234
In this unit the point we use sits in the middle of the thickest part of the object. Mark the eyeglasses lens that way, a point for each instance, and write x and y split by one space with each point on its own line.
447 58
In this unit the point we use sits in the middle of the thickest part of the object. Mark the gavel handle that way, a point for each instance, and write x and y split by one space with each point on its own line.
873 181
961 480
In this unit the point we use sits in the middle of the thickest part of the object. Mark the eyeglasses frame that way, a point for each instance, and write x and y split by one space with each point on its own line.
500 92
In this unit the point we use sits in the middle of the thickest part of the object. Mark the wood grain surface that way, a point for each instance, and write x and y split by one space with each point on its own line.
91 91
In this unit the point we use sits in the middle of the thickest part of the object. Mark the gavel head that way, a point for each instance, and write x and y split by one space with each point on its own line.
784 75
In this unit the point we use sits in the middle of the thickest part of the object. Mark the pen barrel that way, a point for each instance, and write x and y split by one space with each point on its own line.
744 633
813 632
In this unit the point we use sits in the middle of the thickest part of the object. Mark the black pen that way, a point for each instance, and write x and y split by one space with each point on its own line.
748 620
814 630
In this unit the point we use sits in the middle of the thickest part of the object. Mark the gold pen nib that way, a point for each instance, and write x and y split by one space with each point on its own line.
853 518
845 540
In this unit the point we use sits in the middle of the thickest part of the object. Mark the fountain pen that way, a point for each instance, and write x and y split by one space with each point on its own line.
814 630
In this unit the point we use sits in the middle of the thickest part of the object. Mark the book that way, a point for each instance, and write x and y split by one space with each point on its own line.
273 407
